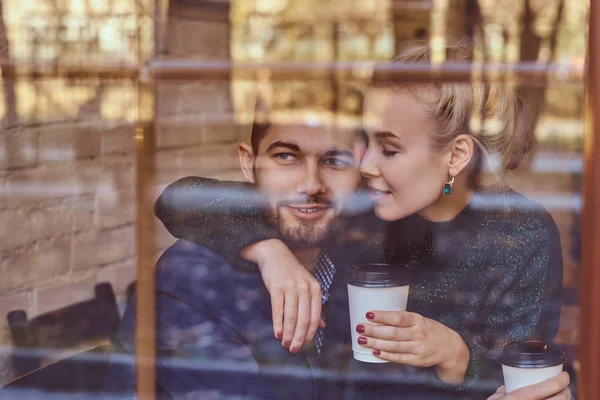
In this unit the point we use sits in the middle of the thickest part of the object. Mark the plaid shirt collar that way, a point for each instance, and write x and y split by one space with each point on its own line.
324 275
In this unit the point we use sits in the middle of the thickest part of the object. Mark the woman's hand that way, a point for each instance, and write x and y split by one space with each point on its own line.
295 293
409 338
552 389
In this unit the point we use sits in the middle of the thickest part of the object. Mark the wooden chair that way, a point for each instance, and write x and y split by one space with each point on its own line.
83 325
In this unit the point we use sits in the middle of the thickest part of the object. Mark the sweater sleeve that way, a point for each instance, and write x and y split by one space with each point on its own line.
224 217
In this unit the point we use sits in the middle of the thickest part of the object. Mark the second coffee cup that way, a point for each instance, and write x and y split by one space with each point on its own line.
374 287
530 362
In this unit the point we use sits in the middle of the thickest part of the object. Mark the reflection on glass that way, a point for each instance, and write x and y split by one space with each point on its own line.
67 154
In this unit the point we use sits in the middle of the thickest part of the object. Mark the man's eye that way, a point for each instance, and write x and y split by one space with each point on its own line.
285 157
336 162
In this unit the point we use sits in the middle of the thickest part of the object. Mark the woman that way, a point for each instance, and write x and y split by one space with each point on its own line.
486 261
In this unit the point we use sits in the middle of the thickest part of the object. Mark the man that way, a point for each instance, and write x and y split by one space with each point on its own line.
214 334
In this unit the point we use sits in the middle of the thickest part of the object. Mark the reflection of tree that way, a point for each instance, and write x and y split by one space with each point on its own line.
8 83
474 28
535 44
531 44
9 122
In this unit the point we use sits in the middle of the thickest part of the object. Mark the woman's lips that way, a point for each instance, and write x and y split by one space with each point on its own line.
378 195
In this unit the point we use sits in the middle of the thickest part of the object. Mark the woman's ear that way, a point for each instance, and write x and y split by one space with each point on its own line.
247 158
462 149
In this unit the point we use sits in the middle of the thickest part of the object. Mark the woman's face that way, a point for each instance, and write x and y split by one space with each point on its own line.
405 172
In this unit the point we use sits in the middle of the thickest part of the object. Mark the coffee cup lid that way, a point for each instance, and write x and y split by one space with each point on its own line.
533 354
378 275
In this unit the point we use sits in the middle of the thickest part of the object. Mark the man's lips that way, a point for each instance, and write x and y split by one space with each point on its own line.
308 211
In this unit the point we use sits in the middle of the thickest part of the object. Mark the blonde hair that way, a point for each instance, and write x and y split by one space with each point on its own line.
491 113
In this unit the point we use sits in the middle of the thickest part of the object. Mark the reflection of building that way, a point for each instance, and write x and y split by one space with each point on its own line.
291 31
77 31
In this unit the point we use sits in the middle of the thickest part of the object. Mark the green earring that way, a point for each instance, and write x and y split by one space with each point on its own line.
449 186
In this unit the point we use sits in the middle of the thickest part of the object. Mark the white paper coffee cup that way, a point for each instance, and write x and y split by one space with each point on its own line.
374 287
530 362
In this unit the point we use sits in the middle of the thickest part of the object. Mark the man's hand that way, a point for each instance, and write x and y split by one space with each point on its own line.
295 293
552 389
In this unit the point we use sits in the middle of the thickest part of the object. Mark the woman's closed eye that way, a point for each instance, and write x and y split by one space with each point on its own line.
388 152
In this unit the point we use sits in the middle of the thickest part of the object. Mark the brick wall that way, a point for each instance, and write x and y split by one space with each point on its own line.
66 214
67 205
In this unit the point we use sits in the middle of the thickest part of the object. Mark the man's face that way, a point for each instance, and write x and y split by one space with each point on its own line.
306 172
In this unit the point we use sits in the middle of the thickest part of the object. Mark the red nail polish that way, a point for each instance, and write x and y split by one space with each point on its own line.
294 350
279 336
376 352
360 328
370 315
362 340
287 344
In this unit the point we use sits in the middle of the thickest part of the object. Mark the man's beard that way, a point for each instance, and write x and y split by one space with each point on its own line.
304 234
